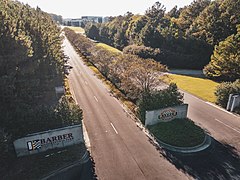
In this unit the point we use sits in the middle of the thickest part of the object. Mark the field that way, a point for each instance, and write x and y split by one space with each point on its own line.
109 48
200 87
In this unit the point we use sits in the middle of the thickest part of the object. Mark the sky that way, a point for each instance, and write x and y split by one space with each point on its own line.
78 8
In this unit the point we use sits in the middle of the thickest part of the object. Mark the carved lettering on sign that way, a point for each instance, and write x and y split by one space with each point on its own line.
38 143
167 114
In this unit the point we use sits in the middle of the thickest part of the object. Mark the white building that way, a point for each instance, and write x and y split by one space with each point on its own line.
83 20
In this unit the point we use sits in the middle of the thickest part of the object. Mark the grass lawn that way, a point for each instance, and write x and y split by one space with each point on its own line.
109 48
178 132
200 87
77 29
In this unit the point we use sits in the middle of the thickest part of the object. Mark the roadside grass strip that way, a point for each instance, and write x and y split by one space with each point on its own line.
109 48
200 87
77 29
178 132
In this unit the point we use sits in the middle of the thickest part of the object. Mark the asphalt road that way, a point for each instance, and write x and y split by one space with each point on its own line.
222 125
119 148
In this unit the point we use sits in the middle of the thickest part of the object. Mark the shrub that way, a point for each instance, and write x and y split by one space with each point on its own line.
142 51
224 90
172 58
159 99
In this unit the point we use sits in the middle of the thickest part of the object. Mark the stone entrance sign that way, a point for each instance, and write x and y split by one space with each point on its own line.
166 114
42 141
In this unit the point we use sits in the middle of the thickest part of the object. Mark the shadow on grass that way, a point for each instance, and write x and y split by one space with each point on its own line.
219 161
190 73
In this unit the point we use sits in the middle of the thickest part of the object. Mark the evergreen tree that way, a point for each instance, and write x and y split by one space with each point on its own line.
225 61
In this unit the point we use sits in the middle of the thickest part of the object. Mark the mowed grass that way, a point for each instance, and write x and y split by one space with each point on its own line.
200 87
109 48
77 29
178 132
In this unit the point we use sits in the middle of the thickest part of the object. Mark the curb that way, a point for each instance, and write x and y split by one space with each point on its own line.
201 147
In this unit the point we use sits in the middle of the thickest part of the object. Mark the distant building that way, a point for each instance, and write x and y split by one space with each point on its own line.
83 20
73 22
96 19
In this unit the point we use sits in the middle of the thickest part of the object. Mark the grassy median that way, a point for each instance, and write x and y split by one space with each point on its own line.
200 87
109 48
178 132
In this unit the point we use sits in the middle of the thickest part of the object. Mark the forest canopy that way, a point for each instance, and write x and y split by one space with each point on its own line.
186 36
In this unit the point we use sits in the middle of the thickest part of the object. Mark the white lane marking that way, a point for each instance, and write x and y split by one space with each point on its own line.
95 98
86 82
228 126
114 128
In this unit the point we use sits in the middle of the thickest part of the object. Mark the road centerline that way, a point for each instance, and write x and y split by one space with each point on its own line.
114 128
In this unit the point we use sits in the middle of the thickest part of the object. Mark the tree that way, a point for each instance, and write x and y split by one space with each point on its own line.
189 13
31 65
174 12
156 12
143 52
57 18
92 31
225 61
150 36
143 76
134 28
217 21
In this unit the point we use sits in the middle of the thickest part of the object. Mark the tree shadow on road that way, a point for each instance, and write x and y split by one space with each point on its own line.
219 161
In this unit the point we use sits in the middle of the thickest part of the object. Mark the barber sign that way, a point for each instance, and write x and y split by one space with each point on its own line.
42 141
166 114
39 143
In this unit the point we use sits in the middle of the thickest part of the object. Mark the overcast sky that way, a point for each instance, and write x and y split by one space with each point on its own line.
77 8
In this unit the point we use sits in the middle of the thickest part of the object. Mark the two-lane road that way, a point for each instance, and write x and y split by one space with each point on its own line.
222 125
119 148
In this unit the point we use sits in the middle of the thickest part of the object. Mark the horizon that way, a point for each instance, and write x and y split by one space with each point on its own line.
76 9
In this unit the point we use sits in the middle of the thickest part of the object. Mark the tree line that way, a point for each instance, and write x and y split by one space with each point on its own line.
189 37
139 79
31 66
